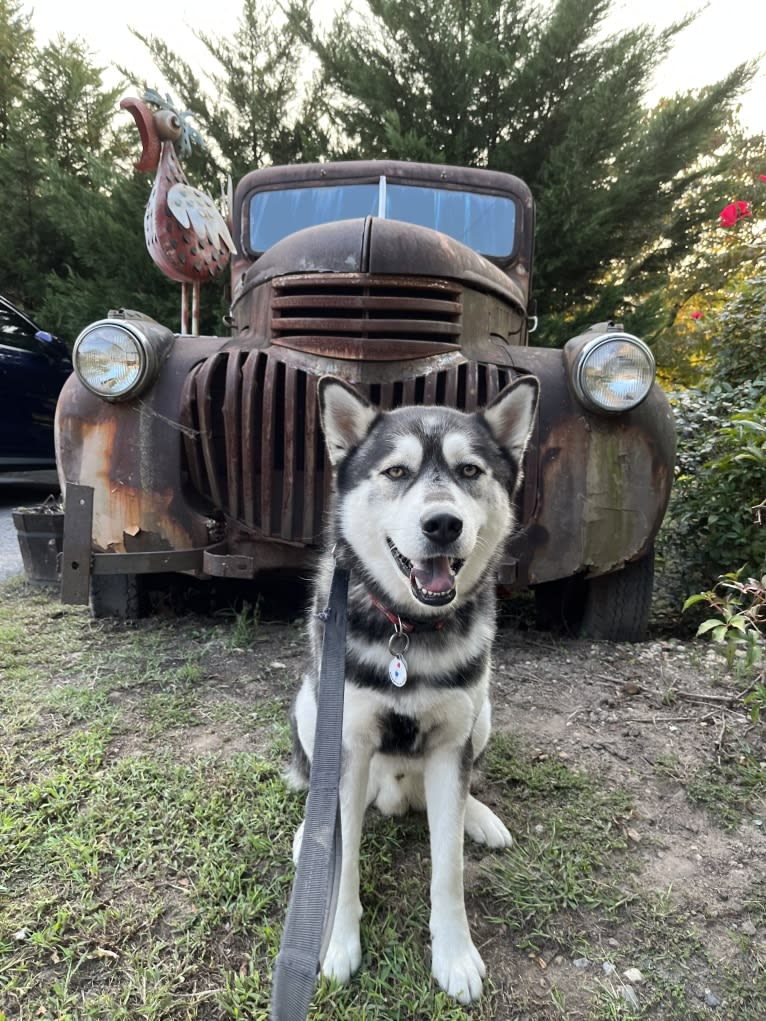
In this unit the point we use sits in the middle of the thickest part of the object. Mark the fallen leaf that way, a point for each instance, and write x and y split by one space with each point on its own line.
102 952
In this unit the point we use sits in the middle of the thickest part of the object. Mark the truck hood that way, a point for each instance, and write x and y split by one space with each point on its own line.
372 245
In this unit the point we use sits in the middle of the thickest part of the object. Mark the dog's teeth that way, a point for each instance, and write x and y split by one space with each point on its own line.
434 594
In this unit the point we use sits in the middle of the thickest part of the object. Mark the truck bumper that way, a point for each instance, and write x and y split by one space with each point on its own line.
79 562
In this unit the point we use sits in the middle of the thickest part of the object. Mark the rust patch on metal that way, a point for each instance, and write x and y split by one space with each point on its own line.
130 457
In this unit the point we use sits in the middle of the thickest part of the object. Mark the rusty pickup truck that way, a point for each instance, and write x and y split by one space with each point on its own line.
202 455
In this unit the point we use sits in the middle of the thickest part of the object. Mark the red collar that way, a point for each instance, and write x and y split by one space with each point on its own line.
406 625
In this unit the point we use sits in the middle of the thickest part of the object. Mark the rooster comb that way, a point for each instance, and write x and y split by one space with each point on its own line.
190 135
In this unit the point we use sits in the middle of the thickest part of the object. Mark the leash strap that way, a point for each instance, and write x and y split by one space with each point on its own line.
314 895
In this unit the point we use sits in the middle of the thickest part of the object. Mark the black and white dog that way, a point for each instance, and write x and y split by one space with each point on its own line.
423 506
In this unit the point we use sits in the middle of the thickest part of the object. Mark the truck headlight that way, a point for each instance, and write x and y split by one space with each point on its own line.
118 359
613 372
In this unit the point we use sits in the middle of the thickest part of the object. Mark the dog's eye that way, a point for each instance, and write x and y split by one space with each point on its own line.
469 471
396 471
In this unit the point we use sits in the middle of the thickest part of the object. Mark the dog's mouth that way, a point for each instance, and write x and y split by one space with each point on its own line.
431 579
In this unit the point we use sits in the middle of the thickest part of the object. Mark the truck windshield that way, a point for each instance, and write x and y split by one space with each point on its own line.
479 220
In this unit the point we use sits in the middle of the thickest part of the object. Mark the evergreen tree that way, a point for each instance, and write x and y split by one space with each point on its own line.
71 237
17 155
24 224
106 264
71 110
540 91
16 49
97 252
257 108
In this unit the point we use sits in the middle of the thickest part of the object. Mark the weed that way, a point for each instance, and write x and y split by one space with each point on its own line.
757 903
739 608
755 701
559 1002
671 767
613 1004
726 787
730 788
247 622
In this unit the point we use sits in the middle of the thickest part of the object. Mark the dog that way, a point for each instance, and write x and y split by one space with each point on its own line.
423 504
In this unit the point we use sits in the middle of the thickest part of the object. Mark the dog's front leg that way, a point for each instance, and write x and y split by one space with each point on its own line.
456 963
344 954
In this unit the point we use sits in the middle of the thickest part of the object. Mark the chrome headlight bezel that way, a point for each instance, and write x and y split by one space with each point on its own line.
595 346
149 344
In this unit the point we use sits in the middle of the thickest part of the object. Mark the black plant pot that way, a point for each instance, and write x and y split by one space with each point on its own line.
40 531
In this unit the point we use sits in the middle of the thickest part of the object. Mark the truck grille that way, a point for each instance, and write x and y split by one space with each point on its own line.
356 315
253 444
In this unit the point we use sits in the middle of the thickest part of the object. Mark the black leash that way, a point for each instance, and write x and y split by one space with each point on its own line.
314 895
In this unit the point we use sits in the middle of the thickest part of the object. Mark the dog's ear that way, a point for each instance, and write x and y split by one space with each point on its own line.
511 415
346 417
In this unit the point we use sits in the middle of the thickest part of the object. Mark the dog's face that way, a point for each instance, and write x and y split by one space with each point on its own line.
425 494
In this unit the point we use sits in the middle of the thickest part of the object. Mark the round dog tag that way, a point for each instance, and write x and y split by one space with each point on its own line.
397 671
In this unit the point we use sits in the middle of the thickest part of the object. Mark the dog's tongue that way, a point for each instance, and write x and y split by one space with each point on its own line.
434 574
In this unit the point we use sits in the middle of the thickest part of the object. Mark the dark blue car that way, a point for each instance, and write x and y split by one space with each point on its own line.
33 367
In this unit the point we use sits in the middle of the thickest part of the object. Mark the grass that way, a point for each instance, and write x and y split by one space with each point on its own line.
128 869
731 788
571 829
245 624
142 879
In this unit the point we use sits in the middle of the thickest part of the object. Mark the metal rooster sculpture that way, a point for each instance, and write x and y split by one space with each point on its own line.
186 235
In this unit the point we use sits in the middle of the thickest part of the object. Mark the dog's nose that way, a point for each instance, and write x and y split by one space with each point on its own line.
442 528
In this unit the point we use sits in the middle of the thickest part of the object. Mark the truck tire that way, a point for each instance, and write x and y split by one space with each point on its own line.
611 608
118 595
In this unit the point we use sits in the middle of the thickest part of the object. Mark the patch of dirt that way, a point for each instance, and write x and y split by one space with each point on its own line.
646 719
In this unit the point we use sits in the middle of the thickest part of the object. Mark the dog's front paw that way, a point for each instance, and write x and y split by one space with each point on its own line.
483 826
458 968
344 954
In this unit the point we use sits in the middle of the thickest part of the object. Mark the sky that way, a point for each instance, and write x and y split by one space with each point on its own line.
725 33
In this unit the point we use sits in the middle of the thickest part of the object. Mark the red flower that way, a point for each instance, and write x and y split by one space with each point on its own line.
696 315
733 212
728 215
762 177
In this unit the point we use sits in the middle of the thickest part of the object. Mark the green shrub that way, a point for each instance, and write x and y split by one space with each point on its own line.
738 346
738 605
701 412
711 527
